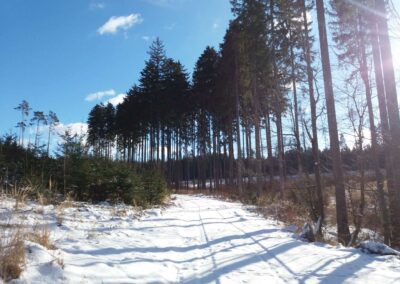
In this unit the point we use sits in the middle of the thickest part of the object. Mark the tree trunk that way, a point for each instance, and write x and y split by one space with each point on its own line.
258 157
231 157
296 127
269 149
280 154
394 120
239 152
314 138
341 207
374 142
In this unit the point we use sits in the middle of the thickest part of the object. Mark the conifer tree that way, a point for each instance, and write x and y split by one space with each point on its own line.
24 108
38 118
204 90
341 207
352 36
307 55
52 122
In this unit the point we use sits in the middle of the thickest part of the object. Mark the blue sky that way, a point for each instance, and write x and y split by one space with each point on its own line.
55 54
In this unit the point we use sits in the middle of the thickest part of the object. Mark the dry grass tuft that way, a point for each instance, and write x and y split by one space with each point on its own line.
41 199
20 194
60 214
285 211
120 212
67 203
12 255
41 236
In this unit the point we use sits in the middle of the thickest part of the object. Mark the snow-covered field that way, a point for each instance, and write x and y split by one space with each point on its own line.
195 240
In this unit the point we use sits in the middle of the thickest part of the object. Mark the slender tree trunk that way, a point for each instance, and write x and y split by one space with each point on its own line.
248 142
358 213
231 158
238 142
214 162
48 140
280 154
374 142
37 134
258 157
177 165
158 143
64 173
269 149
283 150
394 120
341 207
169 156
383 114
313 107
162 145
296 127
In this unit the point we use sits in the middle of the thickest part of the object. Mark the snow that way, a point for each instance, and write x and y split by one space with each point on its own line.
377 248
195 240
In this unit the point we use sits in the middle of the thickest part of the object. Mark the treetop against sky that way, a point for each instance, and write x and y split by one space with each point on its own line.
66 56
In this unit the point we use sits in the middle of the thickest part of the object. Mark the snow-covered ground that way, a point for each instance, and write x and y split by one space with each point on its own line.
195 240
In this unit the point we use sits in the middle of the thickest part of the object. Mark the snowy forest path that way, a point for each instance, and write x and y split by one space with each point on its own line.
197 239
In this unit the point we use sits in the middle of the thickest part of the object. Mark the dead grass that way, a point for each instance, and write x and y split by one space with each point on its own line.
60 210
120 212
20 194
12 254
284 210
67 203
41 236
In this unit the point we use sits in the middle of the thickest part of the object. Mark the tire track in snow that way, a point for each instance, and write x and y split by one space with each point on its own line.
205 240
231 245
257 243
265 249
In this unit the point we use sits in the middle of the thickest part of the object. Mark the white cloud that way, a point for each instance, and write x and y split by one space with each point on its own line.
116 100
100 95
97 6
78 128
114 24
215 24
146 38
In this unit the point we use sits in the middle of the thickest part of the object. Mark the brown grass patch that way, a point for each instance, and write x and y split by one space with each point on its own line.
41 236
12 255
67 203
60 214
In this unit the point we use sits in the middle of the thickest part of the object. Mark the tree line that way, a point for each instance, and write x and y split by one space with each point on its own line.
224 126
40 168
